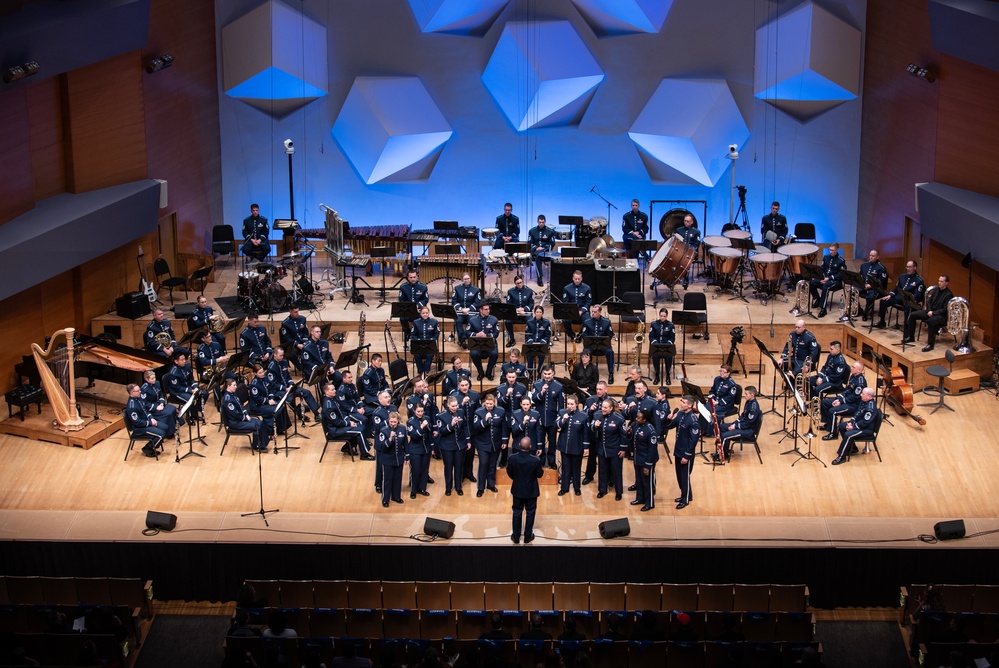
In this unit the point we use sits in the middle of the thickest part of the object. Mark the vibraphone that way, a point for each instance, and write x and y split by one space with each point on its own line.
436 267
361 239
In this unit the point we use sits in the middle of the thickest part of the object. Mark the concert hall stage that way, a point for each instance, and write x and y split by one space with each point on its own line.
851 531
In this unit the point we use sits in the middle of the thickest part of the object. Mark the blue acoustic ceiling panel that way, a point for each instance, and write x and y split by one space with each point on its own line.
274 59
391 130
541 74
688 143
807 62
608 18
457 17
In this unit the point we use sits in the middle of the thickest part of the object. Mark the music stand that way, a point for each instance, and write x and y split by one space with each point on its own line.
855 280
504 312
405 311
640 247
445 312
382 252
278 408
685 319
563 312
201 274
910 304
696 391
661 350
446 225
810 272
482 344
233 326
181 412
435 378
744 245
620 309
569 386
423 347
535 350
517 248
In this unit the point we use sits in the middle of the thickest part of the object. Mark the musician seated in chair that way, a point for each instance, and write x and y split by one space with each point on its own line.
210 356
541 240
910 282
584 373
294 336
142 421
746 424
316 351
152 397
159 337
204 317
692 237
861 425
662 332
279 378
538 331
338 420
425 329
597 325
523 299
832 266
845 402
514 364
481 326
255 341
263 402
833 374
415 292
934 313
465 300
237 417
723 392
180 384
875 280
634 225
256 235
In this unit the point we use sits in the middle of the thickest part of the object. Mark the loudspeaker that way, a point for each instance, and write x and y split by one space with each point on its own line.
436 527
184 310
132 305
161 521
305 286
949 530
615 528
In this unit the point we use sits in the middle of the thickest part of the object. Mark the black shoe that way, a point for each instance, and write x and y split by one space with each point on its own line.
655 381
493 490
854 450
515 539
601 495
636 502
510 343
430 481
528 538
880 324
384 504
681 505
460 493
479 493
148 452
632 488
424 493
563 492
837 461
412 495
927 349
645 509
823 313
396 500
829 437
685 284
863 318
907 339
679 499
378 488
471 478
447 493
367 458
587 481
617 497
478 376
578 493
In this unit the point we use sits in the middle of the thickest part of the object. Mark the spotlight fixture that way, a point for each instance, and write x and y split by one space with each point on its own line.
159 63
17 72
921 73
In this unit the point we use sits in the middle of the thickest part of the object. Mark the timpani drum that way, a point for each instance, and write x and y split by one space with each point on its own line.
798 253
671 261
726 260
738 234
713 241
490 233
247 282
767 266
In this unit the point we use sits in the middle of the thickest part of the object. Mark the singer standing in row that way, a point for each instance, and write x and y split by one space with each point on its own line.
688 433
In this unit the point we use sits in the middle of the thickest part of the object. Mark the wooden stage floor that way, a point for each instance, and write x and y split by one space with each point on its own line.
943 470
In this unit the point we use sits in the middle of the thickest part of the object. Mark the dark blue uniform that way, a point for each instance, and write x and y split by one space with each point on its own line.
337 420
454 443
875 275
776 223
523 299
256 227
490 327
525 423
467 410
200 319
913 284
372 383
489 436
391 443
421 444
601 327
294 332
662 332
256 342
573 442
744 427
508 226
849 399
724 391
465 297
582 297
517 367
415 293
690 235
799 348
525 469
238 418
646 456
688 433
162 327
538 330
260 396
634 221
864 421
279 378
351 404
152 396
452 378
833 374
180 385
425 329
548 402
540 241
142 424
609 442
832 265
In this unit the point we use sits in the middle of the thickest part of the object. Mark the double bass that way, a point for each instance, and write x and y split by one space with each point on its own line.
899 393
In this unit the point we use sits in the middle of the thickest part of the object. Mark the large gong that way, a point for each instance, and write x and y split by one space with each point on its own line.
672 220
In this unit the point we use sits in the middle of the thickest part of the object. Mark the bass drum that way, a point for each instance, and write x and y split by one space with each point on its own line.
672 220
671 261
271 296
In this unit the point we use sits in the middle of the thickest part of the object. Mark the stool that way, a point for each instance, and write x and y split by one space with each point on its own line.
939 372
22 396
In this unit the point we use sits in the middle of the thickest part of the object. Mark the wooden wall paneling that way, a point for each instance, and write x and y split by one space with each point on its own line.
943 260
16 191
48 149
106 132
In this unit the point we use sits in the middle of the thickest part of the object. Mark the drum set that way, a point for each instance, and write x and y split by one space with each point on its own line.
259 288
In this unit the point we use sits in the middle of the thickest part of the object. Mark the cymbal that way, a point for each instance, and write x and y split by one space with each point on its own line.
599 246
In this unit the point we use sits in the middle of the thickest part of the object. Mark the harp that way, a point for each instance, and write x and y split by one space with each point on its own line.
55 366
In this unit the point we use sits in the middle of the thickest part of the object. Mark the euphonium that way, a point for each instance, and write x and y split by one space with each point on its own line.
217 322
852 305
800 296
958 323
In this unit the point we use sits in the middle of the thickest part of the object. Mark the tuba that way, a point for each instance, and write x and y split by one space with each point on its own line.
800 296
959 323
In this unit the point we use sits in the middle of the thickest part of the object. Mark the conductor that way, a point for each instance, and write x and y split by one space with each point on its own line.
524 469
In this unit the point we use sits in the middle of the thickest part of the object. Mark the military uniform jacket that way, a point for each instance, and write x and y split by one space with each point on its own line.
659 416
414 292
751 416
832 265
379 417
347 395
835 370
294 330
524 470
724 390
260 393
489 433
333 413
777 223
608 437
313 354
208 353
646 445
599 327
428 402
392 445
851 393
538 331
545 238
580 295
510 401
662 332
467 410
489 325
426 330
154 328
547 403
520 427
522 298
151 395
688 432
420 437
519 368
452 378
690 235
180 380
912 284
255 227
453 436
866 416
138 415
200 317
574 432
233 409
372 382
466 297
874 274
256 341
635 221
508 226
633 405
802 346
278 375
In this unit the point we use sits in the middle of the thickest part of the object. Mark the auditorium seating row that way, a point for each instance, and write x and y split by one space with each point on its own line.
956 598
24 618
65 649
528 653
531 595
39 590
938 653
470 624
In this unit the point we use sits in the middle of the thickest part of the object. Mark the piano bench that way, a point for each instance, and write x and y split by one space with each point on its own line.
23 396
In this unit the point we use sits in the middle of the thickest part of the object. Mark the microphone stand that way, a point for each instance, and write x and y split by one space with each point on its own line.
260 474
596 191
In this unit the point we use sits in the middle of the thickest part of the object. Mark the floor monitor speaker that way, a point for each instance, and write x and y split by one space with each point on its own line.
615 528
440 528
161 521
949 530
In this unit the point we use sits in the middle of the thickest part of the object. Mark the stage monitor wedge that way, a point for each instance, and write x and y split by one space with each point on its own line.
438 528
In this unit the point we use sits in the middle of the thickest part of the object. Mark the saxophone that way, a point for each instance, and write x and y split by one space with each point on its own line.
362 364
800 295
